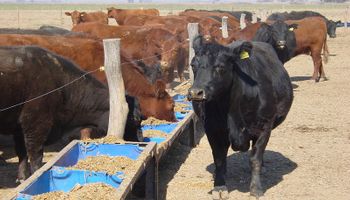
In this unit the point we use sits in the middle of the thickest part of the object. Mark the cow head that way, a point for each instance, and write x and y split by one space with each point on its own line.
275 34
160 105
112 12
172 55
214 67
77 17
331 28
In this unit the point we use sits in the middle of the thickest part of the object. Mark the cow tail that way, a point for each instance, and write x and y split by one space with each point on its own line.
325 51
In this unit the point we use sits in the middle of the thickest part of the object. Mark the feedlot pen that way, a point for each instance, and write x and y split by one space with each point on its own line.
307 156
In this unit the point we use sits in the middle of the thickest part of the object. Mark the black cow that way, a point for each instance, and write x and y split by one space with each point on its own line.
280 36
297 15
240 92
28 74
236 14
43 30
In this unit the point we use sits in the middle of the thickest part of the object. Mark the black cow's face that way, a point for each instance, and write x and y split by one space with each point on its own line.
331 28
279 33
213 67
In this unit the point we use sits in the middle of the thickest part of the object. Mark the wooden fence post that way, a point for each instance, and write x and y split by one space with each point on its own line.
119 109
18 18
264 15
347 12
242 21
192 29
224 27
254 18
61 16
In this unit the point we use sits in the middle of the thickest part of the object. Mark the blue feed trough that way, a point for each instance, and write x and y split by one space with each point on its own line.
59 178
168 128
179 97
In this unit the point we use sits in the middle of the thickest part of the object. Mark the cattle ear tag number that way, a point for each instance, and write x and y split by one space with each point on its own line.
244 55
291 29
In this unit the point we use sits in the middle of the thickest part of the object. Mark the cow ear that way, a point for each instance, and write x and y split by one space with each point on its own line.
292 27
243 51
197 43
160 89
68 13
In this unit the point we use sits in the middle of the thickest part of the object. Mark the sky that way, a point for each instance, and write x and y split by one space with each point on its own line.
125 1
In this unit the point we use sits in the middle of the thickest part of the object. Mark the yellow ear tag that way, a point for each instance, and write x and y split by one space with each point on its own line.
244 55
291 29
102 68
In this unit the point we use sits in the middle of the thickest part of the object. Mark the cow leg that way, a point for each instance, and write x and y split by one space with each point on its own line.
316 58
36 124
180 72
23 167
322 74
219 145
256 159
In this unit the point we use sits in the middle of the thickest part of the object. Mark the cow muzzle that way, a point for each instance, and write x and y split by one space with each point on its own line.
333 36
164 63
281 44
196 94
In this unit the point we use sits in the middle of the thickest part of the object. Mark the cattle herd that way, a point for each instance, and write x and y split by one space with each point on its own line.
51 85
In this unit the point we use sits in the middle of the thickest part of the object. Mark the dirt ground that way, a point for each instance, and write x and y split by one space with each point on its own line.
307 156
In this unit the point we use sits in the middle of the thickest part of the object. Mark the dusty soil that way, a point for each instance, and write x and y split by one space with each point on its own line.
307 156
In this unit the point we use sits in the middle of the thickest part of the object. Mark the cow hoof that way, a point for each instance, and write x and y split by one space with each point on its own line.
19 181
220 193
256 193
257 198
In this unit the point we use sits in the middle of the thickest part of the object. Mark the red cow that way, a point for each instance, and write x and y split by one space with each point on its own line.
82 17
121 14
88 54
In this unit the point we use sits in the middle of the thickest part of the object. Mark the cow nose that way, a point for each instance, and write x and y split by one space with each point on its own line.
163 63
196 94
281 43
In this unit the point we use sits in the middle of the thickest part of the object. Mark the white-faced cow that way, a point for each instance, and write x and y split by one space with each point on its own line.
240 92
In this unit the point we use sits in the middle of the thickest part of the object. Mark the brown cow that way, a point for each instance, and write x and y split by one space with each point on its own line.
232 22
121 14
82 17
311 38
149 43
247 33
175 24
88 54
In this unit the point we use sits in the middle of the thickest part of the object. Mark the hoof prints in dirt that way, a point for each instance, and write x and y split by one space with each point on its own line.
306 129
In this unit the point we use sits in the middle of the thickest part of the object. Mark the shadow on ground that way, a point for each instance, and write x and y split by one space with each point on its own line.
238 171
8 170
